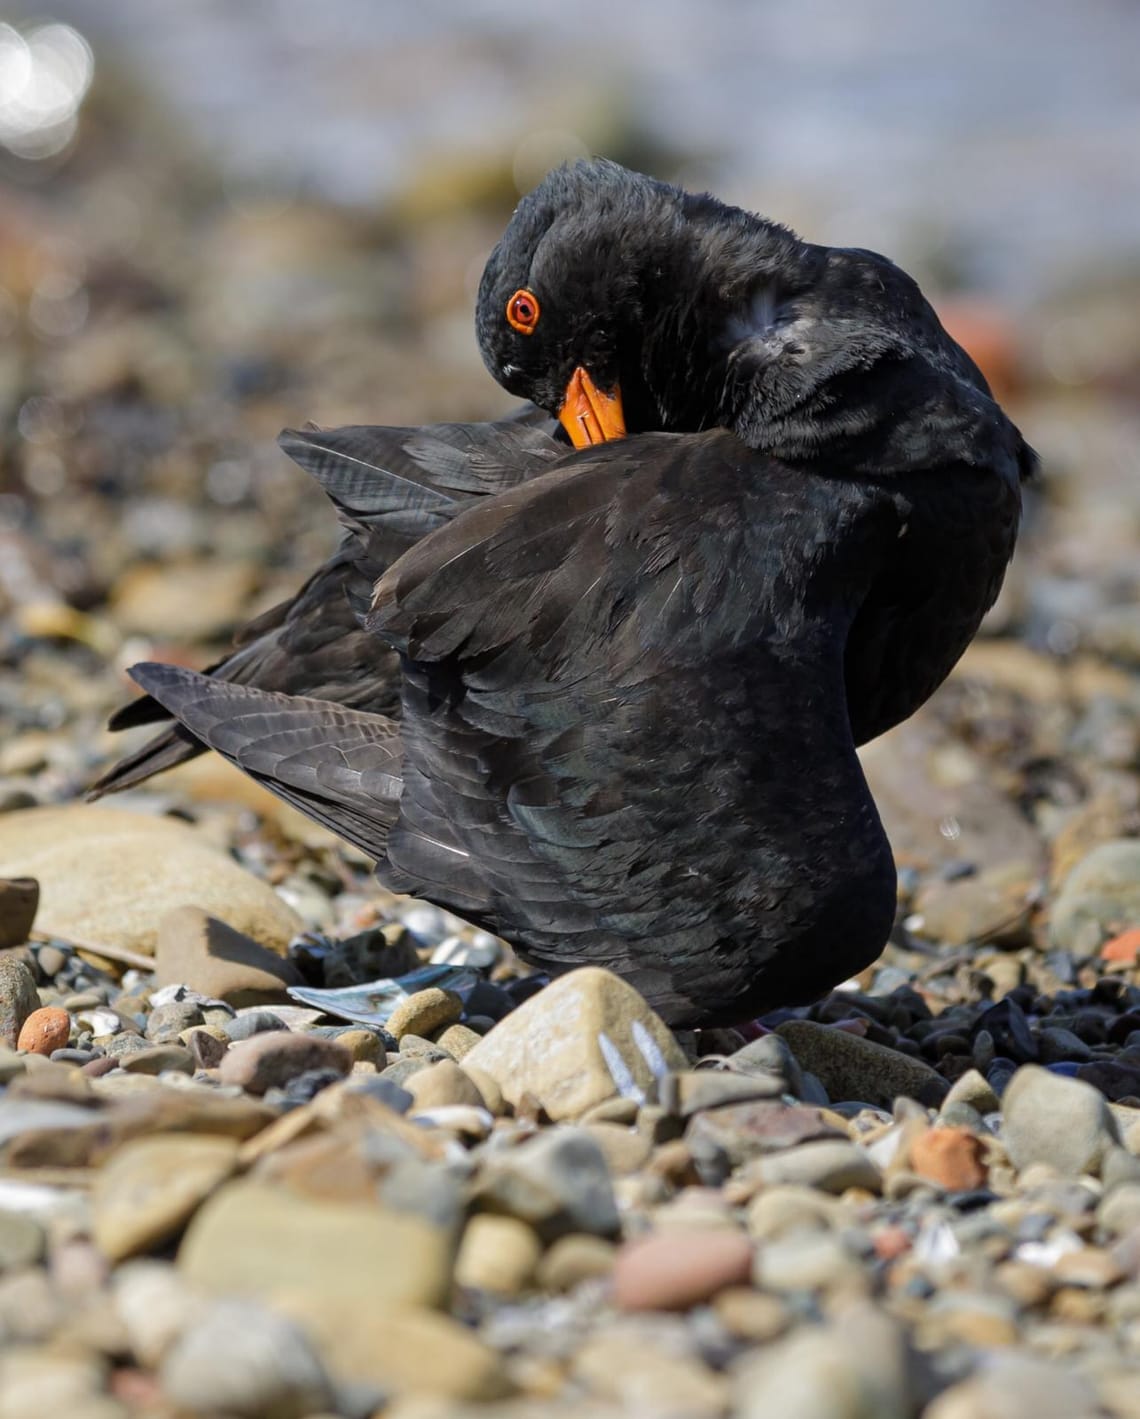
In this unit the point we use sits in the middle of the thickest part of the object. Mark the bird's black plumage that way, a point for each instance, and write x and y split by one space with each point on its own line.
390 486
623 734
630 688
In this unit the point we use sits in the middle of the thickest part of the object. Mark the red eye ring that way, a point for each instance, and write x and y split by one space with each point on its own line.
523 311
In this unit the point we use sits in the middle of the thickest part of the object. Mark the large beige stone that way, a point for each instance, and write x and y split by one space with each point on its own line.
109 875
257 1239
196 949
553 1047
402 1350
151 1188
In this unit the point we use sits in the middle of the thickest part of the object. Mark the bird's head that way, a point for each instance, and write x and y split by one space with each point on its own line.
619 302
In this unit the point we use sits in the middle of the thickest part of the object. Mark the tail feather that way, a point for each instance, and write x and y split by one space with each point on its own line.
174 746
339 766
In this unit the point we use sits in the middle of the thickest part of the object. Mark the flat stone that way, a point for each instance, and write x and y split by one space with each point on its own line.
19 899
441 1085
360 1253
19 997
267 1061
572 1259
554 1047
239 1358
751 1315
21 1241
147 1192
159 1059
675 1270
853 1367
970 1318
684 1093
425 1012
206 954
107 874
785 1207
497 1254
1054 1120
850 1067
1017 1386
805 1261
646 1379
626 1150
830 1165
51 1381
747 1131
556 1182
45 1030
406 1350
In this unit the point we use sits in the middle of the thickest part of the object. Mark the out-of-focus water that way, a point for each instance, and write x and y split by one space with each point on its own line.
1004 138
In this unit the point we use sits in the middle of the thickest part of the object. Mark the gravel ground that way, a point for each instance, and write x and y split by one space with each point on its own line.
220 1194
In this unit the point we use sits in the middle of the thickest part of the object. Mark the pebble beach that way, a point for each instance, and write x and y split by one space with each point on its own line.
224 1192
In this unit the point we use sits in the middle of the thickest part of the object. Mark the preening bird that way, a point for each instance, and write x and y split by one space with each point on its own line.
630 687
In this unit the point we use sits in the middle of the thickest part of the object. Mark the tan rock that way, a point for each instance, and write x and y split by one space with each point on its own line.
624 1149
257 1239
441 1085
364 1046
751 1315
199 950
425 1012
107 874
147 1192
407 1351
497 1254
549 1047
573 1259
646 1379
488 1087
458 1040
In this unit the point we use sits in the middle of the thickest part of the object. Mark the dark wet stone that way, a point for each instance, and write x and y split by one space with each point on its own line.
1000 1072
302 1088
490 1000
388 1091
1116 1079
1009 1030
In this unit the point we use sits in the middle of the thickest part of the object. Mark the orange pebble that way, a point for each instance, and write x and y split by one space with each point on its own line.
951 1157
45 1030
1125 947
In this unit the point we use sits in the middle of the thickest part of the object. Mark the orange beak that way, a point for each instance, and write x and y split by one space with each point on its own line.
588 415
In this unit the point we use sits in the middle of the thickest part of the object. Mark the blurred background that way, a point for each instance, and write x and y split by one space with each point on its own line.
219 219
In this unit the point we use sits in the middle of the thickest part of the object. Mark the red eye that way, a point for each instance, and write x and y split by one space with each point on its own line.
523 312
